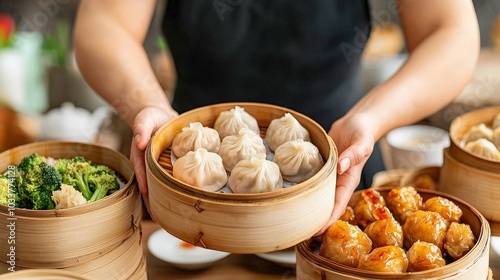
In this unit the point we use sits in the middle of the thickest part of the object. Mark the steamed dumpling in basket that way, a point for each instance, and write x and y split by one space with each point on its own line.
285 129
193 137
241 146
232 121
201 169
477 132
483 148
255 175
298 160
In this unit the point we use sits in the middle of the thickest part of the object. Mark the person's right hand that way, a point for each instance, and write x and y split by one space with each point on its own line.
146 123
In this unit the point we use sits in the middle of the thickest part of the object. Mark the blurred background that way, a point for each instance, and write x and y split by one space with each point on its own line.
44 97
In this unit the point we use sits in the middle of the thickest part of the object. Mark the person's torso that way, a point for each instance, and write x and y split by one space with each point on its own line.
299 54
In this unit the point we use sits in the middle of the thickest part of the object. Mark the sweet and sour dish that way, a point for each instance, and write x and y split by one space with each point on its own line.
398 233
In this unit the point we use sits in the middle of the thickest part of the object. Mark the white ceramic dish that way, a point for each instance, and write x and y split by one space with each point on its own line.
286 257
495 244
178 253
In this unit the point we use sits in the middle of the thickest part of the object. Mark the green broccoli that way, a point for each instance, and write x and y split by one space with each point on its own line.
77 174
9 189
4 190
37 185
102 180
61 165
30 161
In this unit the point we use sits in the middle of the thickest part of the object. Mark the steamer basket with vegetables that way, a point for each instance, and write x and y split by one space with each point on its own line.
70 206
400 233
241 200
471 167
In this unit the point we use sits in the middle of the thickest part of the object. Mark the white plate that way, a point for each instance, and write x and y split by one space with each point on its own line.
495 244
286 257
180 254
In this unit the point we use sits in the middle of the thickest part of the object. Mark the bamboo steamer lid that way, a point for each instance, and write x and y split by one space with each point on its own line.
239 223
88 239
474 265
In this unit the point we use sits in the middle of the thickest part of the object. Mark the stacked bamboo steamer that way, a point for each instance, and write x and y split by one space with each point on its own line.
474 265
101 240
44 274
470 177
239 223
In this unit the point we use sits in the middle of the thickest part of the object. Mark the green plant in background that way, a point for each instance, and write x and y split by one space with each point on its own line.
56 43
7 28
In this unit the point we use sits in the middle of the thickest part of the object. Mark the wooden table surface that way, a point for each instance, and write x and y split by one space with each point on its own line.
245 267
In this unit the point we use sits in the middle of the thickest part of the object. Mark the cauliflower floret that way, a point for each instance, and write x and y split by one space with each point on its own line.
67 197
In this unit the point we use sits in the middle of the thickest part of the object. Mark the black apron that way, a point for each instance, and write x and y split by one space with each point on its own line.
303 55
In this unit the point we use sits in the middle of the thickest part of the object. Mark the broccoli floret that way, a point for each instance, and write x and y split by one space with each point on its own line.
4 190
30 161
77 173
102 181
37 185
61 165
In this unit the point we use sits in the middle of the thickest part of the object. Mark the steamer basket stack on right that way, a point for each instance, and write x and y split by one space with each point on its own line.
469 178
471 167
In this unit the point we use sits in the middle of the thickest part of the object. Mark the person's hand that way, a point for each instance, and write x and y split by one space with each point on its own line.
355 141
146 123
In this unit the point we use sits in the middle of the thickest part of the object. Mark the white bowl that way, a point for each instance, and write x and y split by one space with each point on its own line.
180 254
285 257
415 146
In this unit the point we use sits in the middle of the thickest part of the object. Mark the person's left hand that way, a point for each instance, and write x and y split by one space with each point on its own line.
355 141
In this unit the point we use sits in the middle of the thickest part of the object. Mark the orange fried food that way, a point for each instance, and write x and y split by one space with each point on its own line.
403 201
445 207
345 243
459 240
385 230
349 216
385 259
371 200
424 256
424 226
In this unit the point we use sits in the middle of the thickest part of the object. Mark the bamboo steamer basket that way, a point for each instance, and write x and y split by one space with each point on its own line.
411 178
89 239
458 130
472 178
474 265
240 223
478 187
44 274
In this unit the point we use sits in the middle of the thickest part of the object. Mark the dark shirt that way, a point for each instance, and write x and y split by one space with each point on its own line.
303 55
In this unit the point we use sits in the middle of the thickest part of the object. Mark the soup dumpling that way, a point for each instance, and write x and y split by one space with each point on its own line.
255 175
201 169
232 121
285 129
193 137
483 148
477 132
298 160
241 146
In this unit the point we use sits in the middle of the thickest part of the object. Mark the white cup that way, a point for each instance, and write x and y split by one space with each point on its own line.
415 146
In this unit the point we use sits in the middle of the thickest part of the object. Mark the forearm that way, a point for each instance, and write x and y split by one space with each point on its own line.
436 71
115 65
